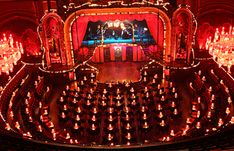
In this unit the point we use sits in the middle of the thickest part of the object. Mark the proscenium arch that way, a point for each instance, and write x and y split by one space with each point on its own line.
182 10
92 12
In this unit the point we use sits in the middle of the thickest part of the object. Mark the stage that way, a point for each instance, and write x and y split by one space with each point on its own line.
118 40
119 71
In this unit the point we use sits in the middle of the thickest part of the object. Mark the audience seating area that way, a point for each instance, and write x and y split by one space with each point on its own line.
153 113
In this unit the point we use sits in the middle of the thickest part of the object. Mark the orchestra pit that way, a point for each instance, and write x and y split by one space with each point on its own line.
116 75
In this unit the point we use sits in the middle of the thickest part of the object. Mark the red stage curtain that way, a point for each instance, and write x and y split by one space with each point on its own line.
78 31
124 53
80 25
112 53
135 49
155 26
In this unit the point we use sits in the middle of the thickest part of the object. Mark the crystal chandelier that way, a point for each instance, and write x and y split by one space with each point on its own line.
222 47
10 53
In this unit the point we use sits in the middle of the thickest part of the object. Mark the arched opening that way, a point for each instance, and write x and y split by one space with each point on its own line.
51 34
182 34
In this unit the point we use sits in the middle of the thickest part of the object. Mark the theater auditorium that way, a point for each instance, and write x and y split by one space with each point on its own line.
116 75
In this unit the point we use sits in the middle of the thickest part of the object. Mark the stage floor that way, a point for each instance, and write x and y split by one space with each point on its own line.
119 71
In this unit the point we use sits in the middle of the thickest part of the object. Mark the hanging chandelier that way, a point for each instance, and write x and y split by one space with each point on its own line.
10 53
222 47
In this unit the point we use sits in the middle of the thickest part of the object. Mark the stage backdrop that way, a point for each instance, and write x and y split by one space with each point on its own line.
153 21
110 32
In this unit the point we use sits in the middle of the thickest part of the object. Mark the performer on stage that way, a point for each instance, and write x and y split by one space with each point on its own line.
126 34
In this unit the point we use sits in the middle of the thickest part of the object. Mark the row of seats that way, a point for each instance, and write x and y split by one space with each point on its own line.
123 113
118 104
214 98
